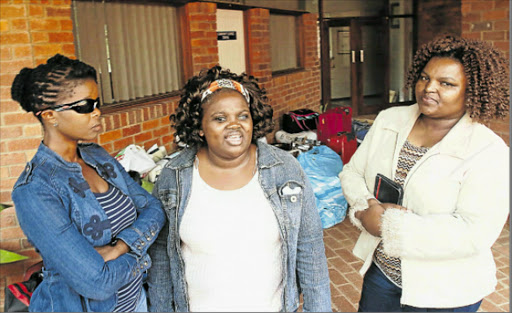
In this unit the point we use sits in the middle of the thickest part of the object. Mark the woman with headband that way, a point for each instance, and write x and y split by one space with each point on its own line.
243 233
91 223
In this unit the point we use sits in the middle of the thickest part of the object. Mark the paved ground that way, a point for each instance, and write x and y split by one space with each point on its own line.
346 281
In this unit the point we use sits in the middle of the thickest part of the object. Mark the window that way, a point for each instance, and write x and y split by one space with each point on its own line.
401 41
133 46
401 48
284 42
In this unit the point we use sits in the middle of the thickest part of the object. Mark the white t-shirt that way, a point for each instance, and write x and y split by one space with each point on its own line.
231 247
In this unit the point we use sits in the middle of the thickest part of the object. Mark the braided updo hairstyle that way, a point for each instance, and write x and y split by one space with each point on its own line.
37 89
486 70
189 114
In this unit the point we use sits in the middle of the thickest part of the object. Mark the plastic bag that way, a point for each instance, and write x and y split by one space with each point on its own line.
135 158
322 166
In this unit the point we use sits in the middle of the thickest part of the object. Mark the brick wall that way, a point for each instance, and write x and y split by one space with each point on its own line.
300 89
436 18
32 31
489 20
291 91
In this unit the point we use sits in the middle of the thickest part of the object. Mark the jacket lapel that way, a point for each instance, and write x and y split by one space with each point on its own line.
454 144
401 128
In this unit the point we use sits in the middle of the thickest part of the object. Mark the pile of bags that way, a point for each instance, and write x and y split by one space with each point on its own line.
323 142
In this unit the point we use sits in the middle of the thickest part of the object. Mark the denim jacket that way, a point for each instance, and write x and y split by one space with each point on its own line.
291 197
61 217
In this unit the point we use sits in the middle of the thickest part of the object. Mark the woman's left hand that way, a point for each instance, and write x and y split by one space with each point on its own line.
109 252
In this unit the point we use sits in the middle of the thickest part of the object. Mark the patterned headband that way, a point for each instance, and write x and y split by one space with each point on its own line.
226 83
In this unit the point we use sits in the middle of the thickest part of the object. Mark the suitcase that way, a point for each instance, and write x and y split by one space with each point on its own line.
344 144
334 121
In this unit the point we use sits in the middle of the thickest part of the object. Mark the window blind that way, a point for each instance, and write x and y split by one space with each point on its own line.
133 46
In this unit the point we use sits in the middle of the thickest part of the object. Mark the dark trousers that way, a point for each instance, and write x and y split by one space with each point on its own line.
379 294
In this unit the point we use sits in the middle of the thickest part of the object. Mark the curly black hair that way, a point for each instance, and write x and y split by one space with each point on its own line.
486 70
37 89
189 114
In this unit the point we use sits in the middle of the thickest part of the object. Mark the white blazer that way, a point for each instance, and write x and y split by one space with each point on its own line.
457 196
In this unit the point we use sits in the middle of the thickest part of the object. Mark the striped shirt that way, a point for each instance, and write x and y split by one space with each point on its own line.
392 266
121 213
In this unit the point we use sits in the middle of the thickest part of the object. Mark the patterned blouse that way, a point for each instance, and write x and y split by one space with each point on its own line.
391 266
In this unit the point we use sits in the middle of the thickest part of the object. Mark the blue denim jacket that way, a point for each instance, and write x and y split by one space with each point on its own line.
61 217
304 261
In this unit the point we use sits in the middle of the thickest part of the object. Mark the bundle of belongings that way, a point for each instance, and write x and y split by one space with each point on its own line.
321 163
143 166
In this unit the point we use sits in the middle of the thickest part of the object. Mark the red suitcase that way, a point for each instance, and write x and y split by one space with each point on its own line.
344 144
333 121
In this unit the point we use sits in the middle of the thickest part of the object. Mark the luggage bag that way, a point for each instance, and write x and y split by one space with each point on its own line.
344 144
334 121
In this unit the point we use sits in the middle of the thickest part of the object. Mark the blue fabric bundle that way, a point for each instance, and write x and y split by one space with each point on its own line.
322 166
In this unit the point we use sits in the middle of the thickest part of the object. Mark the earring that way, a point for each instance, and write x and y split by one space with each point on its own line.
55 124
201 133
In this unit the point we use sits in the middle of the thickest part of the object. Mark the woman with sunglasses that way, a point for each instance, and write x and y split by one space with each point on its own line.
91 223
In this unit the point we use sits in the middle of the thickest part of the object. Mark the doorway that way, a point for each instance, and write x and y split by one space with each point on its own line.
358 68
231 40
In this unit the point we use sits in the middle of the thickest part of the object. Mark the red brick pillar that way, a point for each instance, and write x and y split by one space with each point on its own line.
312 83
258 45
311 45
200 36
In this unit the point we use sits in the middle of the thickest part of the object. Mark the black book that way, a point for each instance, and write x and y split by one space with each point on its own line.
387 190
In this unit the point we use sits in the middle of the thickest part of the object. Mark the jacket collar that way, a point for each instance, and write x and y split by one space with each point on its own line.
266 157
184 158
455 142
46 154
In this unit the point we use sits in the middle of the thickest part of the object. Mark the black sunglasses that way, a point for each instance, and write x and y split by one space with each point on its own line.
81 106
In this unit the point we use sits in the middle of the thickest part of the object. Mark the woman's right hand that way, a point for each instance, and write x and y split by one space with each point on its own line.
109 252
371 218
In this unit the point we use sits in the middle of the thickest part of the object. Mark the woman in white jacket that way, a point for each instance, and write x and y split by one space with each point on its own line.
434 252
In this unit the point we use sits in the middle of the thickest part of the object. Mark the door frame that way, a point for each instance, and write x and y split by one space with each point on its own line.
356 72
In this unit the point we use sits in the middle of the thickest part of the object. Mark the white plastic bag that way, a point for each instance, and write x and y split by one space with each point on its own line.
135 158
